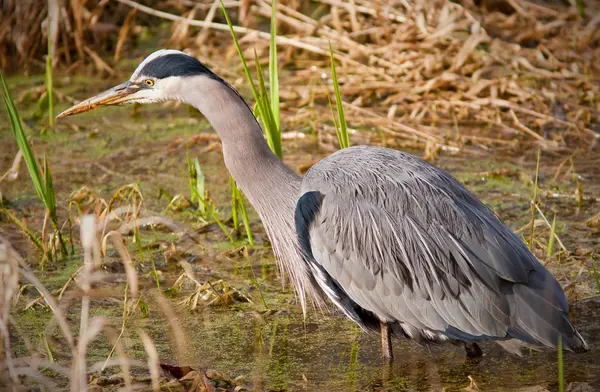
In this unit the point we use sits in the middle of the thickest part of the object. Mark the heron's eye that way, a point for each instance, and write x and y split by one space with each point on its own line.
149 82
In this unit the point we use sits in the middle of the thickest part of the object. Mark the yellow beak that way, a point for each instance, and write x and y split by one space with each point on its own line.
115 96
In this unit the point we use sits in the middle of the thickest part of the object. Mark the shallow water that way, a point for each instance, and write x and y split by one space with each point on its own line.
334 355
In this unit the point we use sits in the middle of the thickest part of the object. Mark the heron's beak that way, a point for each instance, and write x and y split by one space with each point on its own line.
117 95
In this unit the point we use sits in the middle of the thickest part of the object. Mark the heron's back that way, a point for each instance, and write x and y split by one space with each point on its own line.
393 237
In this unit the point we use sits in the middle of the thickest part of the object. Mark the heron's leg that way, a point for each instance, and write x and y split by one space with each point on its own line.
473 350
386 342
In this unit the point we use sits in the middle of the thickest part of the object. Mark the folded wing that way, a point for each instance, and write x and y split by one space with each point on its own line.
392 237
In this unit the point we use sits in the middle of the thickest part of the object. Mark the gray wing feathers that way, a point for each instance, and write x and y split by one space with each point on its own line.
408 243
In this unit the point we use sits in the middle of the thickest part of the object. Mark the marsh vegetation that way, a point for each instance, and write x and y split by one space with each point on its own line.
131 260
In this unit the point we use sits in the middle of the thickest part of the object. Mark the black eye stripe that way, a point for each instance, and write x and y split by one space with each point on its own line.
175 65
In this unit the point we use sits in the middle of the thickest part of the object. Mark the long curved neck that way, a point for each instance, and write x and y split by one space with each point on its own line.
262 176
271 186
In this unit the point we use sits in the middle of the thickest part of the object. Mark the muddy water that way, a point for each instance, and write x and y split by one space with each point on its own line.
284 352
279 349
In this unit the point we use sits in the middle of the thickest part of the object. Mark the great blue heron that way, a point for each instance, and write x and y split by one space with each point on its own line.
394 242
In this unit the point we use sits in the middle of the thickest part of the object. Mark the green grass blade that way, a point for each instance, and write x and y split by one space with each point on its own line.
52 31
213 215
240 53
245 220
223 228
196 184
596 275
273 338
271 129
335 121
192 182
191 173
264 108
561 373
199 188
263 101
273 70
353 368
22 142
43 184
237 205
254 281
551 240
51 206
47 348
342 131
534 199
50 84
50 195
234 205
155 273
34 238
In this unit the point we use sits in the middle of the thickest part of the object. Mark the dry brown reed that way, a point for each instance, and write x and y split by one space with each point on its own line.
454 74
99 230
10 266
430 74
9 285
423 72
80 31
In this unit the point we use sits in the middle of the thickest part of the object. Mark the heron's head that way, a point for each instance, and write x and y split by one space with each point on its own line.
160 77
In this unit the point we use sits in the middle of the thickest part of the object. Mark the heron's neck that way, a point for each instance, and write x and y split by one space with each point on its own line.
263 177
271 186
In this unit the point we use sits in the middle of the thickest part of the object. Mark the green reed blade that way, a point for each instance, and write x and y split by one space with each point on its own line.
561 374
245 220
50 84
271 129
342 131
534 199
551 240
240 53
596 275
273 69
263 104
234 205
22 142
49 192
199 185
32 237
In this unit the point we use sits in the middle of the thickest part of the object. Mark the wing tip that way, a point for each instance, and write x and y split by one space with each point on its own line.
577 343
